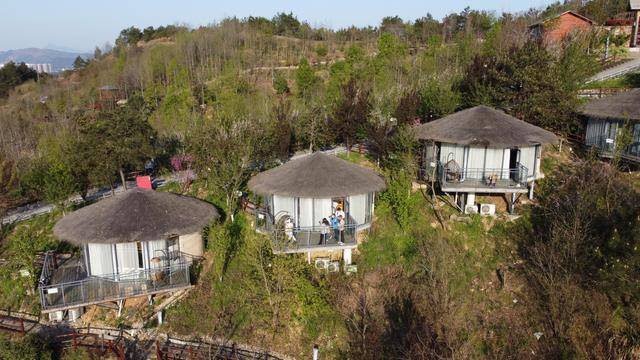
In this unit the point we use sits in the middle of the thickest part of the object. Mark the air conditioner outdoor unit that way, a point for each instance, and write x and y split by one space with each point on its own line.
74 314
56 316
351 269
487 209
322 263
471 209
334 266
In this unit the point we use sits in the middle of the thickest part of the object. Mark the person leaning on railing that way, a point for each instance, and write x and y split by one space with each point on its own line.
324 231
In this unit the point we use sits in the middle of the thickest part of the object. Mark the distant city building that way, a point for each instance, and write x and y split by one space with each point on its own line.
41 68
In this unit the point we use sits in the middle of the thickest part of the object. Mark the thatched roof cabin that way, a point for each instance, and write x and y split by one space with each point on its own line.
484 126
317 176
135 215
622 106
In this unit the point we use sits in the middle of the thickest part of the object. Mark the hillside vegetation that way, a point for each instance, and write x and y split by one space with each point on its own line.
237 97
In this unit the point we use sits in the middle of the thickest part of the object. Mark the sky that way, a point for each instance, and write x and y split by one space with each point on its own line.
81 25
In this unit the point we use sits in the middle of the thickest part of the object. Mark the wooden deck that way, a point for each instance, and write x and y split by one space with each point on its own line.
481 186
308 239
67 285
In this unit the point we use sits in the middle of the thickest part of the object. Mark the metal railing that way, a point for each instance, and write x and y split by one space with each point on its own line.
299 238
607 145
111 287
475 177
310 237
48 267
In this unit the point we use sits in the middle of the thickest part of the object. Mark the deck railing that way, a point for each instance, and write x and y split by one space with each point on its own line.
300 238
607 146
97 289
475 177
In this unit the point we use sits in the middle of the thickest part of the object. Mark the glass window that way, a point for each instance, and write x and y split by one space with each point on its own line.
368 209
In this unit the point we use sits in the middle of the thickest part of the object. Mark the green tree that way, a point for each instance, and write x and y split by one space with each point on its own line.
8 183
350 113
437 100
534 84
29 347
129 36
224 151
110 142
306 79
280 84
286 24
580 260
80 63
50 179
12 75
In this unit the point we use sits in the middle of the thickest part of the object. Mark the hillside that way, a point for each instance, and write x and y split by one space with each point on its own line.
59 59
209 108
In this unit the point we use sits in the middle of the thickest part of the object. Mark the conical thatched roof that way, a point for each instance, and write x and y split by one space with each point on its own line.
317 176
622 106
135 215
484 126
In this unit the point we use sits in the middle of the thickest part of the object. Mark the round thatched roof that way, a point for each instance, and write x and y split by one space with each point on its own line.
317 176
135 215
622 106
484 126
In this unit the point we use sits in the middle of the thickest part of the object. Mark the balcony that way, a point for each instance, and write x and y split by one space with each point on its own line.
478 180
305 238
607 148
66 285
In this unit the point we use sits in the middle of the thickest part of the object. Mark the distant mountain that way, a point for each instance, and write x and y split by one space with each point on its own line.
59 59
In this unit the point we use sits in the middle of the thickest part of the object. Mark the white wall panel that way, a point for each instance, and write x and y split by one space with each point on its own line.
283 205
305 211
100 259
358 205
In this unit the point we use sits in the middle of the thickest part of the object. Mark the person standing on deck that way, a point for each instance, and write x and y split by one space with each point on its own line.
288 229
324 231
341 230
335 226
340 212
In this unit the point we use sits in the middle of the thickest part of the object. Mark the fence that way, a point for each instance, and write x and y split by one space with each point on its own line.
475 177
96 289
300 238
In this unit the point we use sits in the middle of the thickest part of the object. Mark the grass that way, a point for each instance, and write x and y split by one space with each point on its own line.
19 247
627 81
246 294
357 158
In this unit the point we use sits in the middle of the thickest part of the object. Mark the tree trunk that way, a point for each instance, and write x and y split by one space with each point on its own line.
124 182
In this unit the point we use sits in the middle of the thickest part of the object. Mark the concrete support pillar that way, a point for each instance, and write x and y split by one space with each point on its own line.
120 306
471 199
346 256
160 319
309 258
150 299
533 184
512 204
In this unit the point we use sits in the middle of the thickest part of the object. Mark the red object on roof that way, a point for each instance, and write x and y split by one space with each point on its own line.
144 182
